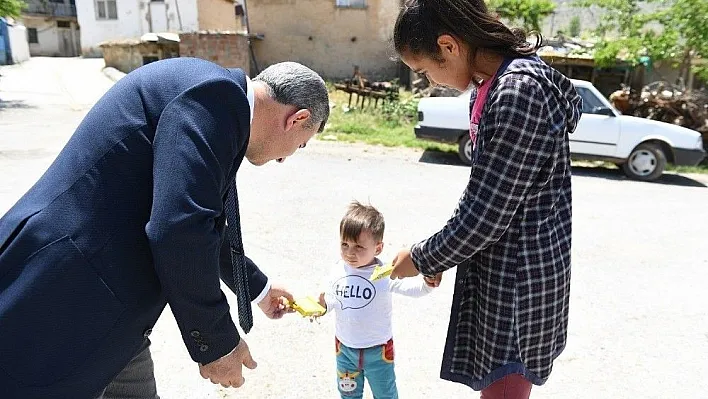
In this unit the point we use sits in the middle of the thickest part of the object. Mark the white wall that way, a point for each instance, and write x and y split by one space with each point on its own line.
47 36
134 20
158 16
95 31
166 18
18 43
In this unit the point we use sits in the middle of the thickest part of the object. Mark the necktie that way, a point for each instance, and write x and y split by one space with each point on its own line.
238 259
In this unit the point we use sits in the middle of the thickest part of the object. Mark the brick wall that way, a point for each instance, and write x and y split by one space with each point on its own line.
227 49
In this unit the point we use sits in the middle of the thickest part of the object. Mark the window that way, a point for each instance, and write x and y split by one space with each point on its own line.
590 101
351 3
63 24
32 35
106 9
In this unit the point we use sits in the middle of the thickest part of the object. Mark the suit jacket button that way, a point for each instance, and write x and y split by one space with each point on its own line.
147 333
204 348
195 334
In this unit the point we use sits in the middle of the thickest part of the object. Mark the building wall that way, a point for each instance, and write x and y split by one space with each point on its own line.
52 40
668 72
229 50
179 16
217 15
134 20
328 39
47 36
17 35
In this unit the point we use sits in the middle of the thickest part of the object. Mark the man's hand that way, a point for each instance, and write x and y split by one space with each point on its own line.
274 304
227 370
403 265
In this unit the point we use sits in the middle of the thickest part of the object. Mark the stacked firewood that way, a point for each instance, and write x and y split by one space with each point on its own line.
665 102
422 88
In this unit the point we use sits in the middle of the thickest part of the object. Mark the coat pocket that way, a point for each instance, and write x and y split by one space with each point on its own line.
53 315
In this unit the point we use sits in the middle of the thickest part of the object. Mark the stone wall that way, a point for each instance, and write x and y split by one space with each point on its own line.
127 56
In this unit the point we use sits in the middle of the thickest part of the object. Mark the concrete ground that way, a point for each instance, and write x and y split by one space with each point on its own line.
638 323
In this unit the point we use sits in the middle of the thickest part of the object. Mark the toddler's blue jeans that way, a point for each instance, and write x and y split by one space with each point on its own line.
375 364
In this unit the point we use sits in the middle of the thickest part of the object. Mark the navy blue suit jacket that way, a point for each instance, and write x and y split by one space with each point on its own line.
129 217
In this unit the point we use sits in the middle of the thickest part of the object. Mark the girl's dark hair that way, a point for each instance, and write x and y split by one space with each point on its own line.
421 22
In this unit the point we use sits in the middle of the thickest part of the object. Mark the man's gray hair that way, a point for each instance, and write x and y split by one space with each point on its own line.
291 83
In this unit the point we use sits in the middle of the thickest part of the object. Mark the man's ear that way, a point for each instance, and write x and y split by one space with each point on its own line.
298 117
449 44
379 247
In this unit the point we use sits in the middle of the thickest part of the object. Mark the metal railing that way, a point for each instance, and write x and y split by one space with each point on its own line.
52 9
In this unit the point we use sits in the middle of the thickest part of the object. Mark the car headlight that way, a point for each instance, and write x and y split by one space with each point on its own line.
699 143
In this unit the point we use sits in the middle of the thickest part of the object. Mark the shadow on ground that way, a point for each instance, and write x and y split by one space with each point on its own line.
14 104
451 158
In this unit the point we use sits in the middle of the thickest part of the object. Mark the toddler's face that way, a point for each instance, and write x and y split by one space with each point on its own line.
361 252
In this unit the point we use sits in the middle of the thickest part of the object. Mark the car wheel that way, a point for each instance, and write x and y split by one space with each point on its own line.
646 163
464 149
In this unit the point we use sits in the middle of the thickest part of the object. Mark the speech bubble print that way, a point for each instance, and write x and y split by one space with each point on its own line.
353 292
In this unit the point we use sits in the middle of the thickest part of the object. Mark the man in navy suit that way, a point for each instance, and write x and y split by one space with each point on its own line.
137 212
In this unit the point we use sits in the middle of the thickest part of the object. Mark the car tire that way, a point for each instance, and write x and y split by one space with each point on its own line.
646 162
464 149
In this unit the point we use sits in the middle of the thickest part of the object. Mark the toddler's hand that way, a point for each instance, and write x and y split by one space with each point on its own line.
433 281
322 300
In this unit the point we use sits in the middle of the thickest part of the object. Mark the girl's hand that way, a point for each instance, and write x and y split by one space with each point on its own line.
433 281
403 265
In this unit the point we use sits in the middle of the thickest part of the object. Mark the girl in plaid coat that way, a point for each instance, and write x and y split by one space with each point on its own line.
510 235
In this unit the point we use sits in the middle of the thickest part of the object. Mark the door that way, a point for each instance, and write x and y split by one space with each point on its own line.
67 45
3 47
158 16
597 132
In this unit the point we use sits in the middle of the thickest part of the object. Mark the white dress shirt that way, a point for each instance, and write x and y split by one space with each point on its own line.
251 103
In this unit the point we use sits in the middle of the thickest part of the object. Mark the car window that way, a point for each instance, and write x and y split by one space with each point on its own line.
590 100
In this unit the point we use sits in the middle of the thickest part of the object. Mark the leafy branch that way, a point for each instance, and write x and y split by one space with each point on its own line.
11 8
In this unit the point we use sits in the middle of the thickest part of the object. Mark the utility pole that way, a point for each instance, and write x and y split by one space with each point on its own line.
248 37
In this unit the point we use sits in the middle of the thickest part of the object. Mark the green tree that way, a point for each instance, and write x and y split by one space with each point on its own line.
530 13
11 8
676 30
574 26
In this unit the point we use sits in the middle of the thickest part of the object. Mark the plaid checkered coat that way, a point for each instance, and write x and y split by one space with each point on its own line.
510 235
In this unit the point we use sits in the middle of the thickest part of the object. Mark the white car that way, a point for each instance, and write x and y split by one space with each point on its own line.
641 147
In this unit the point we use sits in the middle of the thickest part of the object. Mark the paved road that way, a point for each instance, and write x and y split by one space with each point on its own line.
639 320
